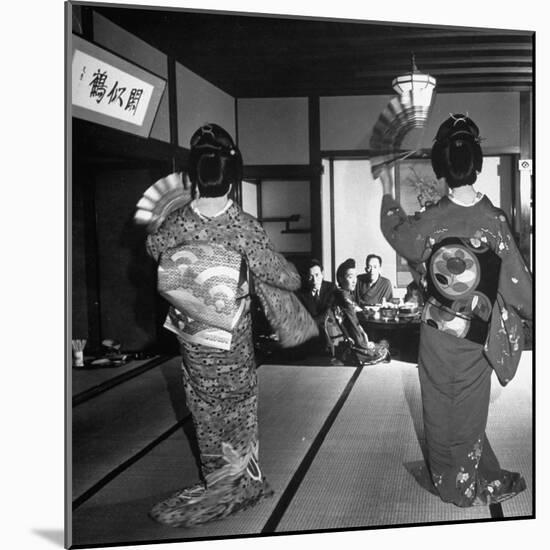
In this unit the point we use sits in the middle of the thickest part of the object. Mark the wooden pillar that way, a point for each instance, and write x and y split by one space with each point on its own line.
173 109
86 182
525 176
315 182
238 190
332 231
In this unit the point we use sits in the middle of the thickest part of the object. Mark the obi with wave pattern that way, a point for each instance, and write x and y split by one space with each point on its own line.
205 284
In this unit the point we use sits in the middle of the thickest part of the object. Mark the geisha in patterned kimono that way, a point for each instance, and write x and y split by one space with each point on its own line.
208 253
478 289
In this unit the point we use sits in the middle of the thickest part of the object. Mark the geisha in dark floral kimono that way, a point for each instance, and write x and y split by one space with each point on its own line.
478 287
208 251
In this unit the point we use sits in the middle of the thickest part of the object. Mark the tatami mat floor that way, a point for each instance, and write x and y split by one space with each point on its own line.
294 403
115 425
85 379
357 476
510 432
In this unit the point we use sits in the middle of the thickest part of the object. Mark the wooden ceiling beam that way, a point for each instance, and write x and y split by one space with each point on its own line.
255 56
368 88
358 67
374 79
451 71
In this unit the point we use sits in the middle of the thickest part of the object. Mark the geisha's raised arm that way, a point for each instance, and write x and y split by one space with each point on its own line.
408 235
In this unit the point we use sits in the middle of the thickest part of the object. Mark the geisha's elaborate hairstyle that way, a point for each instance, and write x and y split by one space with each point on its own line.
215 162
456 153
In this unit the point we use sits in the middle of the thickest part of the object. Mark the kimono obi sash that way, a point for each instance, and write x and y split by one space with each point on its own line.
462 280
205 283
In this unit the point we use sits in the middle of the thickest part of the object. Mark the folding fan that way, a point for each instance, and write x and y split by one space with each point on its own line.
163 197
405 111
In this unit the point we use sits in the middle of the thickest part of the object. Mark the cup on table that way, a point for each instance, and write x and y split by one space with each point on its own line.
78 352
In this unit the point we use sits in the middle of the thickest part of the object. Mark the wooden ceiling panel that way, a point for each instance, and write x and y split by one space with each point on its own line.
268 56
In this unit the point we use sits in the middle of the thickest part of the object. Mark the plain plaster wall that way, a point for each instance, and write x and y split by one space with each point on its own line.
274 131
200 102
357 199
347 122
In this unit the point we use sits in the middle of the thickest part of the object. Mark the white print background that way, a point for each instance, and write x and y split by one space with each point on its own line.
33 274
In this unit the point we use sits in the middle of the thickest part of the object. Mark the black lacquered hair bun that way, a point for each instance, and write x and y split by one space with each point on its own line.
456 152
215 162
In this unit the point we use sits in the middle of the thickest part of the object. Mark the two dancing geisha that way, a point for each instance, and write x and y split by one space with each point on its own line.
478 289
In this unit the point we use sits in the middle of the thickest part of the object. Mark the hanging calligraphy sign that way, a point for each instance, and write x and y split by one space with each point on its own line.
109 90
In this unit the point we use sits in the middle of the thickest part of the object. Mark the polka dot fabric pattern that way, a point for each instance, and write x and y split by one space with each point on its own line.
221 385
235 230
289 319
221 391
274 279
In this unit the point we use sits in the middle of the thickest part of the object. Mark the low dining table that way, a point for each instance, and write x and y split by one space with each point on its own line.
402 333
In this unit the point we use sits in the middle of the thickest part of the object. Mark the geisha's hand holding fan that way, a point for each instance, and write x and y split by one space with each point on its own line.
163 197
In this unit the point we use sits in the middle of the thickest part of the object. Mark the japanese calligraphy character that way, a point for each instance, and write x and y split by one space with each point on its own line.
116 94
98 85
133 100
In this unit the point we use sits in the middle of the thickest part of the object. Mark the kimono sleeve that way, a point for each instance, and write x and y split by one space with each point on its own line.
152 247
408 235
268 265
515 281
163 237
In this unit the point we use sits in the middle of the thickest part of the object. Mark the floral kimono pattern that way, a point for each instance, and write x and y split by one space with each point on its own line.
219 374
478 288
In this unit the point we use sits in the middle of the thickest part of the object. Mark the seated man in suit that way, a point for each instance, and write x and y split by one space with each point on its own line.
317 295
372 288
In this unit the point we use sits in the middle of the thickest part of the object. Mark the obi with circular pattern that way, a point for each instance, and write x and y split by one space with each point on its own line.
462 279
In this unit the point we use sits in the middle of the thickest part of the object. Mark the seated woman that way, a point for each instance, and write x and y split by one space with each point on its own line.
416 289
346 309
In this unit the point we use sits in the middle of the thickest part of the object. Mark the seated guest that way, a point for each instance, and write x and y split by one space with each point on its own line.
368 352
414 294
416 288
346 275
317 295
371 287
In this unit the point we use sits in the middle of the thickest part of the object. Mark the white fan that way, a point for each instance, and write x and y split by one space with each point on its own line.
163 197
